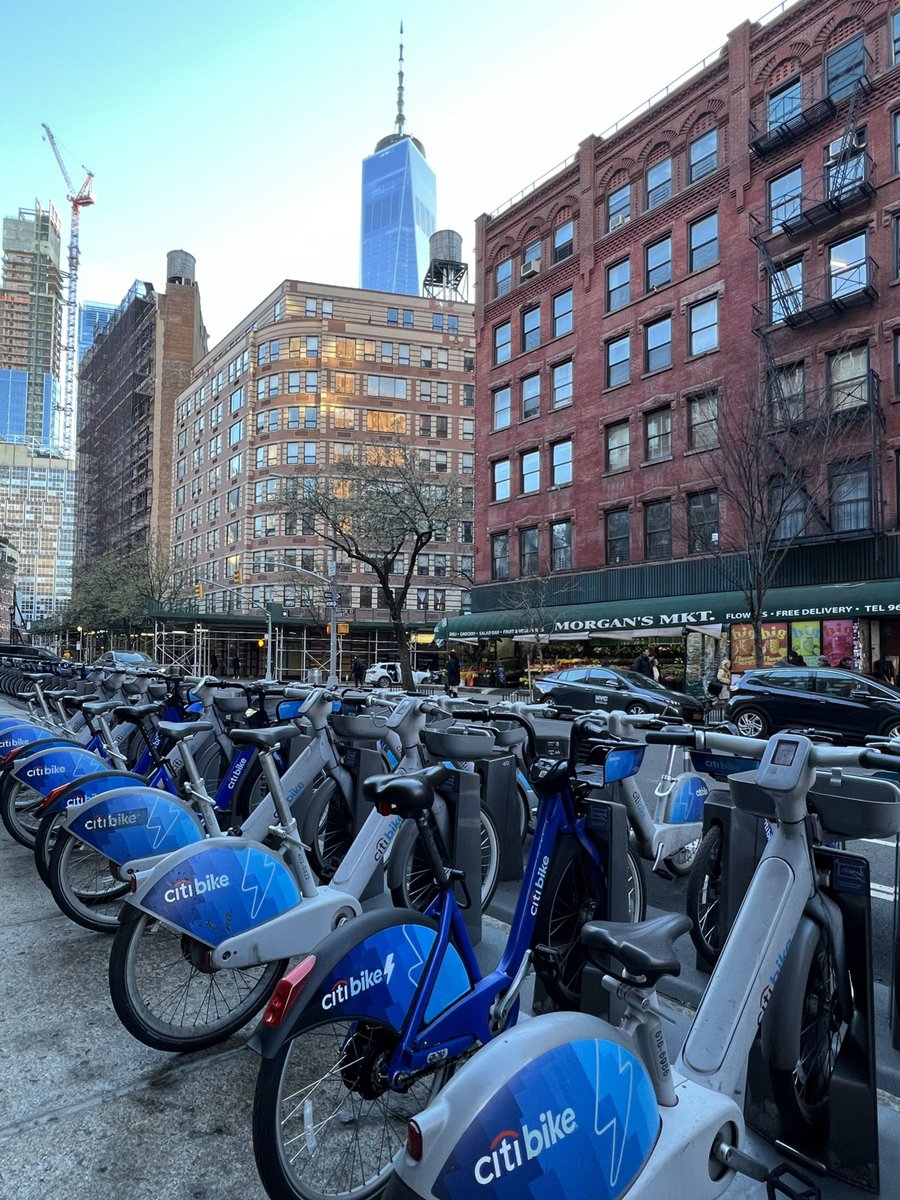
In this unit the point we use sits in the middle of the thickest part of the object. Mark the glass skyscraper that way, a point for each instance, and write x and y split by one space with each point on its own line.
398 207
92 319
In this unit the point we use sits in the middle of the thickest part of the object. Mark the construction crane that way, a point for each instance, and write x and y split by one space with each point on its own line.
79 200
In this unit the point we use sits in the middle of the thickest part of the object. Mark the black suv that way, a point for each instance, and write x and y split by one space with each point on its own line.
834 701
588 688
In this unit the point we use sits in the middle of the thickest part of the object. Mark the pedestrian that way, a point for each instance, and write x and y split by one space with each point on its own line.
883 669
654 663
823 661
795 660
643 664
359 671
723 676
452 669
214 663
235 666
846 664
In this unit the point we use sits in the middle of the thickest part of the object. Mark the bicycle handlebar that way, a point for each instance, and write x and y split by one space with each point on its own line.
877 758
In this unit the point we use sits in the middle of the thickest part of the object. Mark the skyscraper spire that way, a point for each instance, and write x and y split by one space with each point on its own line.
401 119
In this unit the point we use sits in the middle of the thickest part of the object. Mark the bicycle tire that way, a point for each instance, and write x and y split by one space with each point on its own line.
681 862
410 878
44 840
18 804
703 898
567 902
802 1093
83 886
325 1126
146 953
327 828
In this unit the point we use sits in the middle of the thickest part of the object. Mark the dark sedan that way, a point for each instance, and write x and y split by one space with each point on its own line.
126 660
834 701
588 688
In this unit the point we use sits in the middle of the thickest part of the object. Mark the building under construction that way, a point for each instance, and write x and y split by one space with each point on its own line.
128 381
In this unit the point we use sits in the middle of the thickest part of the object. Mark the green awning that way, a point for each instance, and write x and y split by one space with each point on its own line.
674 614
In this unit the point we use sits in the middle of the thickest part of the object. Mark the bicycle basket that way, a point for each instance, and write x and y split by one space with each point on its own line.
459 743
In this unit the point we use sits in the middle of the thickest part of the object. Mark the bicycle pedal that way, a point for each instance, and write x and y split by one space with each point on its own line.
785 1180
546 962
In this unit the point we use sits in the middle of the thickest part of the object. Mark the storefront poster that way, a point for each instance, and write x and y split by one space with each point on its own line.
774 640
837 641
806 641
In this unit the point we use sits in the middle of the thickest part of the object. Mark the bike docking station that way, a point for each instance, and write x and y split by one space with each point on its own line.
498 771
845 1144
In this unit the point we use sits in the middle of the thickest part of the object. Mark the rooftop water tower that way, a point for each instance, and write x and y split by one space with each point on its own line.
447 277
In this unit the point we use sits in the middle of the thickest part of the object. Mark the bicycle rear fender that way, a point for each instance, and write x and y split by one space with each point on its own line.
86 788
134 822
369 969
559 1107
27 741
684 801
23 733
47 769
218 889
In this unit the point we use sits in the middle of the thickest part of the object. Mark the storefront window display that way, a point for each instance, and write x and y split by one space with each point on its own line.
836 641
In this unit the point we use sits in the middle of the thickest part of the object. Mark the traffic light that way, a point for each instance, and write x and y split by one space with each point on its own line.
239 575
198 591
261 643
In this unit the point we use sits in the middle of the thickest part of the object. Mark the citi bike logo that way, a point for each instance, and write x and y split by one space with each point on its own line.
236 772
539 884
355 985
383 843
766 994
186 889
120 820
511 1149
46 769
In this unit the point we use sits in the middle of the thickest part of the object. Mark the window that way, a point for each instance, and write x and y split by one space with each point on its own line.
895 37
618 361
849 492
561 383
385 422
703 155
467 429
703 326
785 197
502 408
788 504
467 464
468 394
784 103
897 365
383 385
437 322
703 522
500 480
443 359
618 206
343 452
531 259
425 426
424 356
235 433
343 418
561 546
659 263
309 453
659 182
703 242
531 328
618 285
561 463
502 343
788 394
503 277
327 308
848 267
703 421
786 292
528 551
393 316
659 344
618 537
563 241
531 397
658 529
263 492
658 435
500 556
562 313
848 378
386 352
845 163
844 66
531 472
896 226
618 446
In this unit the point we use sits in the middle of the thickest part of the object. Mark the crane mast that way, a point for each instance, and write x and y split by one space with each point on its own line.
78 200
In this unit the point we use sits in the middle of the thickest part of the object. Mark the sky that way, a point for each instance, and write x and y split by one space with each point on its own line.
236 130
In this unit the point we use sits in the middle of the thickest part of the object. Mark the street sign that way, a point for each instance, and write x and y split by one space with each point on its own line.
330 598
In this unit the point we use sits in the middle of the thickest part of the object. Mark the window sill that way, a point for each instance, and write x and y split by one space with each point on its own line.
654 462
702 354
617 471
615 386
656 371
701 449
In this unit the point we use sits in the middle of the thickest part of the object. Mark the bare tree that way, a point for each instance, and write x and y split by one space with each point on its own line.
380 513
778 455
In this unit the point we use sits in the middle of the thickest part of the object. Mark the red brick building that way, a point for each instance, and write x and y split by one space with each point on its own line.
622 303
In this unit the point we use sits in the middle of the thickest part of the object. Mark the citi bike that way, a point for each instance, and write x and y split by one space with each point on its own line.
374 1020
567 1107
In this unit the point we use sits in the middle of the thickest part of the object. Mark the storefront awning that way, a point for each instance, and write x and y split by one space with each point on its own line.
658 617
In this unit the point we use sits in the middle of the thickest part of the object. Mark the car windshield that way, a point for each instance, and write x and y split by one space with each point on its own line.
636 679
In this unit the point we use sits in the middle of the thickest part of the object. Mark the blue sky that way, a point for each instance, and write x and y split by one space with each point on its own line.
236 130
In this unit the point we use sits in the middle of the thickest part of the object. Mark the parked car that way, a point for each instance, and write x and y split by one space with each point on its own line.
835 701
586 688
126 660
387 674
19 650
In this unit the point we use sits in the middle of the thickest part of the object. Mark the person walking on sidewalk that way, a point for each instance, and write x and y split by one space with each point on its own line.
453 674
643 664
359 671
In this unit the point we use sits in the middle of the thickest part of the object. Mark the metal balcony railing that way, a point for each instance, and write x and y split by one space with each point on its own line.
856 396
842 187
814 300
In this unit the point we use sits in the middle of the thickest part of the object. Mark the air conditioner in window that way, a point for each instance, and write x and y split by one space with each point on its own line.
617 219
530 268
848 144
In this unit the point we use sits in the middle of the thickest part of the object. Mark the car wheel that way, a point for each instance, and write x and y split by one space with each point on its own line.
636 710
752 723
893 730
384 681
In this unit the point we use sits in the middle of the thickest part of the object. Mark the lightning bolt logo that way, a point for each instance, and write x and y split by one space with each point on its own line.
156 828
260 879
416 969
618 1135
388 969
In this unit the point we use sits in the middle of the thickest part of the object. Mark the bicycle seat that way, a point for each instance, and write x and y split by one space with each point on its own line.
265 739
644 948
136 712
98 707
75 703
405 795
176 731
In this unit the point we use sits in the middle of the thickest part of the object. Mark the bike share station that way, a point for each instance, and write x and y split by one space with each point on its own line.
847 1147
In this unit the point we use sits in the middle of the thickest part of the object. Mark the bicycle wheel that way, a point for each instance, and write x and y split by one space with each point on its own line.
568 900
801 1094
44 841
327 828
83 885
413 883
703 894
168 998
680 864
325 1123
18 811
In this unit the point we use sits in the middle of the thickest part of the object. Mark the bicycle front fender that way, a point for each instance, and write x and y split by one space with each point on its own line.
56 765
25 733
217 889
369 969
134 822
87 787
